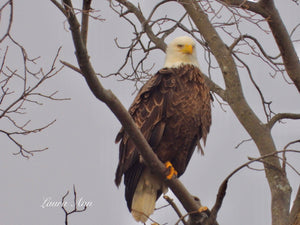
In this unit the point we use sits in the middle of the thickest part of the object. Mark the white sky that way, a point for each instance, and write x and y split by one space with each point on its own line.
81 143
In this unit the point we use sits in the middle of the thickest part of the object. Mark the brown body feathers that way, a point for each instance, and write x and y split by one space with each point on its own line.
173 112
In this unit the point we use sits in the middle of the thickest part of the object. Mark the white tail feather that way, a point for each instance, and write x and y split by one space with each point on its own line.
143 205
144 198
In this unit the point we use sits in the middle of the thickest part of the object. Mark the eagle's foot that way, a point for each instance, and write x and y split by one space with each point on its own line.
202 209
171 169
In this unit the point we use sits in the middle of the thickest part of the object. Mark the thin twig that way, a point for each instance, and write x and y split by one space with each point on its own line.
223 187
76 69
176 209
75 210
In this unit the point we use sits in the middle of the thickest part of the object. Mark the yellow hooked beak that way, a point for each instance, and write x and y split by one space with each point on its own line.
187 49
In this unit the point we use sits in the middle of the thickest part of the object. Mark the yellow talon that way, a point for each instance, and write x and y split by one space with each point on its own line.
172 171
202 209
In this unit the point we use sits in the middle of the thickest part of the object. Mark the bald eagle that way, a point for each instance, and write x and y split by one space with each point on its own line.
173 112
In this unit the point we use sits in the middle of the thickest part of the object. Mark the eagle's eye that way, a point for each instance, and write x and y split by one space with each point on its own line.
180 46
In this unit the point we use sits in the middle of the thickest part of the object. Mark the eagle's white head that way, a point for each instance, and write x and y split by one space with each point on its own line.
182 50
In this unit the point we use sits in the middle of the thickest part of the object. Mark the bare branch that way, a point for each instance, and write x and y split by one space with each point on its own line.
26 153
147 24
266 104
281 116
242 142
14 102
29 91
8 3
174 206
223 187
294 29
268 10
71 66
85 19
137 12
122 114
295 211
284 161
75 210
243 37
139 72
284 43
213 45
245 4
291 143
59 6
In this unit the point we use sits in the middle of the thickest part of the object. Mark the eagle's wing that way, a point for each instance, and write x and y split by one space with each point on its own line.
169 106
148 112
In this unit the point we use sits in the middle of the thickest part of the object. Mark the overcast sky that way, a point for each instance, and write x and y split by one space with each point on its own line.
81 142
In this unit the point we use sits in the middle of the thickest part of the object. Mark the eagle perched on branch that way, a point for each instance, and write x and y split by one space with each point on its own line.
173 112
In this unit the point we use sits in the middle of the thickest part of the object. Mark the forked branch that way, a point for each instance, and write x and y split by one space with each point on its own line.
281 116
15 101
122 114
223 187
75 204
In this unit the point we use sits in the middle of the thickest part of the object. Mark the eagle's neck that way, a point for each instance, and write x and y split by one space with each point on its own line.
178 64
175 60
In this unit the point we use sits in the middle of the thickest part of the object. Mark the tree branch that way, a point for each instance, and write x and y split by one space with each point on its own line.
15 99
85 20
71 66
281 116
260 134
223 187
267 9
295 211
10 21
137 12
284 43
75 210
244 4
174 206
59 6
159 42
122 114
233 95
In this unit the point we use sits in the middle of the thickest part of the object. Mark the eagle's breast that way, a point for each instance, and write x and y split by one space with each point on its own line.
186 114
